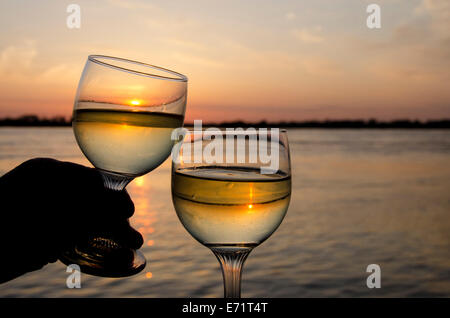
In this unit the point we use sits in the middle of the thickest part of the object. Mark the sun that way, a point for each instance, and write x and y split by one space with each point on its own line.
135 102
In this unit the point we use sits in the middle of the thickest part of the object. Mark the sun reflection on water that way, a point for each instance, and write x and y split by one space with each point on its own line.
144 217
139 181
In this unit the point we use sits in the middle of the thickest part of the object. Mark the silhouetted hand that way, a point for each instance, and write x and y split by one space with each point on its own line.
48 205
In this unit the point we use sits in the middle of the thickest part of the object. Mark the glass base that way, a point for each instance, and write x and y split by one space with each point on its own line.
104 261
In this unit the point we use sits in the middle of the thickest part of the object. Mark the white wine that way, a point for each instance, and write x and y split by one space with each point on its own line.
125 142
226 207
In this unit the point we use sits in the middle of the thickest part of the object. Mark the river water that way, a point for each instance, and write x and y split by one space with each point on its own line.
359 197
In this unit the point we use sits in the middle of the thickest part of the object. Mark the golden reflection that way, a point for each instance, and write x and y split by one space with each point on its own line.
142 230
144 217
250 205
139 181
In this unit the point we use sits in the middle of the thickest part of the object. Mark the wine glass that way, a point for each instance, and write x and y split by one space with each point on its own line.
226 194
123 117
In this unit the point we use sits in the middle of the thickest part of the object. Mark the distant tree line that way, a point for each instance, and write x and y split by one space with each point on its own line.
60 121
33 120
354 124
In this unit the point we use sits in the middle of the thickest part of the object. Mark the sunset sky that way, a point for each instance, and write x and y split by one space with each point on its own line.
245 59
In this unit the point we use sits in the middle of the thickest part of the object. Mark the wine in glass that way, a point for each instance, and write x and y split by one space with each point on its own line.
123 117
226 199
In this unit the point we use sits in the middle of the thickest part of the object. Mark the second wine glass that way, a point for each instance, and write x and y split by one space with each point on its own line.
226 195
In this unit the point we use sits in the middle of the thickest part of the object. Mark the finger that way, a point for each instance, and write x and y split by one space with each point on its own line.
132 238
125 235
117 204
119 231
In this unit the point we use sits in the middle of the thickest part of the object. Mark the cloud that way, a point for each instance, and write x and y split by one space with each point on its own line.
185 44
196 60
19 64
16 60
308 35
58 73
320 66
439 12
131 4
418 48
290 16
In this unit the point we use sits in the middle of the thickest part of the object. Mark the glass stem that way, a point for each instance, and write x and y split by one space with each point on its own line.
231 262
115 181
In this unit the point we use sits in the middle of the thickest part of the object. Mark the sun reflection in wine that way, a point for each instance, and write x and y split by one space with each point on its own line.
250 205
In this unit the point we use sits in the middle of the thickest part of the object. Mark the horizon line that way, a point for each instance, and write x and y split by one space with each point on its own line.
61 121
